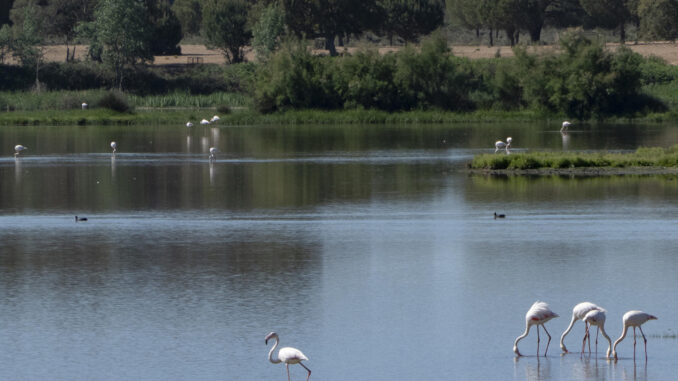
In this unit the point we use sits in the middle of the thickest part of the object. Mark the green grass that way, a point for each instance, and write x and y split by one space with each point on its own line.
643 157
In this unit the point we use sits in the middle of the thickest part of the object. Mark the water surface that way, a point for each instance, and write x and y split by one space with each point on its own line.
370 248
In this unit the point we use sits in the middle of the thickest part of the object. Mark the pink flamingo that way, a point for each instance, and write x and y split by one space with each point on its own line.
597 318
633 319
578 312
537 315
287 355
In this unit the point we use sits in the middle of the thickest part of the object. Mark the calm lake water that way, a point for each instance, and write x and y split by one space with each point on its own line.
370 248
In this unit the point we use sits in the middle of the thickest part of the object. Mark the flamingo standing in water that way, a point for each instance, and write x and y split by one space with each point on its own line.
537 315
565 125
633 319
597 318
578 312
287 355
213 152
18 148
501 145
114 146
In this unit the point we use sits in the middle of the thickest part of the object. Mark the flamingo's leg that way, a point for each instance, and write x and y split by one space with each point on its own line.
634 344
538 340
288 371
549 342
309 371
645 340
583 343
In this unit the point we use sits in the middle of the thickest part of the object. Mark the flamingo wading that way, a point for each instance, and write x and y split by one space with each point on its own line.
18 148
565 125
114 147
287 355
537 315
597 318
633 319
501 145
578 312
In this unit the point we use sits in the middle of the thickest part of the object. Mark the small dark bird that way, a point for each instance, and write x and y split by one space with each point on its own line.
80 218
499 215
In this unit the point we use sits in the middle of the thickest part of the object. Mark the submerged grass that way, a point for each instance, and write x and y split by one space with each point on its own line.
643 157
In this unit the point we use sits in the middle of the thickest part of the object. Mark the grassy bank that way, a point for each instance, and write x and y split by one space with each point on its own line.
643 157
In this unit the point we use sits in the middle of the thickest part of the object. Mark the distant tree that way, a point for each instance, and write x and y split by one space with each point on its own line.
410 19
166 29
466 13
27 44
5 42
329 18
224 26
119 35
609 14
659 19
267 30
189 14
5 7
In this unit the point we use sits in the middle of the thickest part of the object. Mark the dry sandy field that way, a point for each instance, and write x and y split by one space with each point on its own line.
200 54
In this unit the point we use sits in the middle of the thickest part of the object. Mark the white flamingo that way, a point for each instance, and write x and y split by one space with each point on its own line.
114 146
537 315
213 152
204 122
565 125
597 318
189 124
578 312
633 319
215 119
501 145
18 148
287 355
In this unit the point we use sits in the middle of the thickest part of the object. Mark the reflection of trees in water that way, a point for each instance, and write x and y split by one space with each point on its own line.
486 188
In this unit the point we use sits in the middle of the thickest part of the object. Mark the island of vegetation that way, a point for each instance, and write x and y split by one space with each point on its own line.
273 72
643 160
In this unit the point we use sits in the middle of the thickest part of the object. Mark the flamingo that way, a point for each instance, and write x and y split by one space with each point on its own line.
215 119
537 315
565 125
633 319
501 145
114 146
18 148
213 152
597 318
204 122
84 106
189 124
578 312
287 355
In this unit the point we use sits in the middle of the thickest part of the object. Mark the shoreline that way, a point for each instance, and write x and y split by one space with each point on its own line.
579 172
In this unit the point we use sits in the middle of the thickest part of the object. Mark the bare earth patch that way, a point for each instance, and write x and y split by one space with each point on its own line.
200 54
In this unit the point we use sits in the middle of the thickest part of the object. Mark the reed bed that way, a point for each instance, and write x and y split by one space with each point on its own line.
642 157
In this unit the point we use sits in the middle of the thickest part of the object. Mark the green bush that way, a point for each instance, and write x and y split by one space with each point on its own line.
114 100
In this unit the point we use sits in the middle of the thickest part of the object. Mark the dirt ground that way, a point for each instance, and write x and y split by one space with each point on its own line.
200 54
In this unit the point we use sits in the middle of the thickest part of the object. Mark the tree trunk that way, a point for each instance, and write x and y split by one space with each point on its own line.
622 33
535 33
329 44
491 37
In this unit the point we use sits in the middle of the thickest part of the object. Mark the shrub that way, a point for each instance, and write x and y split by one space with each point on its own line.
114 100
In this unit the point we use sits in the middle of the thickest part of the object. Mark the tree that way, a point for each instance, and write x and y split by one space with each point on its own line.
410 19
120 35
224 26
659 19
27 45
166 29
5 42
5 7
609 14
267 30
189 14
328 18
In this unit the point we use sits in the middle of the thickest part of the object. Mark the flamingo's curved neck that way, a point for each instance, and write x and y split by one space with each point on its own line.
609 342
270 353
527 330
569 328
623 335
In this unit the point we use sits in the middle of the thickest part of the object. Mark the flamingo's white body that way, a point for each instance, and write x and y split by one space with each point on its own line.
287 355
215 119
597 318
213 152
537 315
578 312
84 106
189 124
501 145
114 147
565 125
204 122
633 319
18 148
